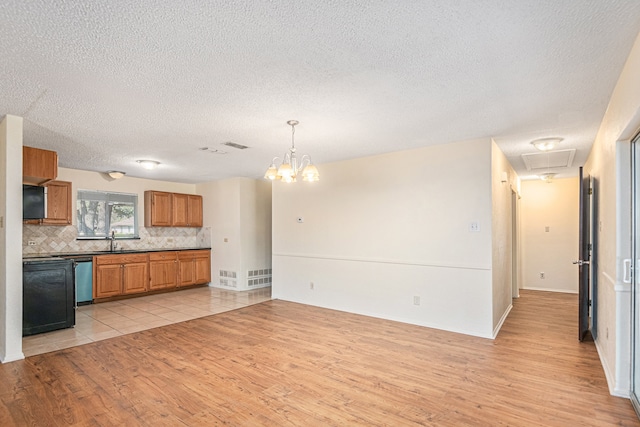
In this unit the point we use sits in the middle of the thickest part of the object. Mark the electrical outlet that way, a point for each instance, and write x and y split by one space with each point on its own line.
416 300
474 226
542 274
311 285
32 243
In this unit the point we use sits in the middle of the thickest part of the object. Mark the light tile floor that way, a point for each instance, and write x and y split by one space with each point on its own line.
97 322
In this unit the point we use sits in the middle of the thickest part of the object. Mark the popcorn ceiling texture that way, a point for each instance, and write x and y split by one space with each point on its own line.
62 239
107 82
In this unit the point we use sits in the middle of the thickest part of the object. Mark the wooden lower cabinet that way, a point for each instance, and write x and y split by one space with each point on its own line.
135 277
115 275
125 274
107 281
194 267
163 270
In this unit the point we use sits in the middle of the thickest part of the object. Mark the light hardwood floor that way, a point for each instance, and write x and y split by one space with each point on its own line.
285 364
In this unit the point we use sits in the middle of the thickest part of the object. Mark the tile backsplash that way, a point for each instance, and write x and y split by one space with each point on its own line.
48 239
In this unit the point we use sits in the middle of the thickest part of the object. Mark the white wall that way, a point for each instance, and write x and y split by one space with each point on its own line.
255 224
238 212
503 181
607 163
378 231
10 239
553 205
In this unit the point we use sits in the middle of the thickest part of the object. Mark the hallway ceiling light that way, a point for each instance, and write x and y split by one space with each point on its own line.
289 168
546 144
148 164
547 177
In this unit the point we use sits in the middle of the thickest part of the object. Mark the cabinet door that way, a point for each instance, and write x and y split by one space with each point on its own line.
108 281
135 277
180 205
195 211
202 265
38 166
163 274
157 209
58 203
187 272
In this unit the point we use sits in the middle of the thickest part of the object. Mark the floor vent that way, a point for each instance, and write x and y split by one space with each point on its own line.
260 277
228 279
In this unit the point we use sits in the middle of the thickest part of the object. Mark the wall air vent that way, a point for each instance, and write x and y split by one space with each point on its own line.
234 145
551 159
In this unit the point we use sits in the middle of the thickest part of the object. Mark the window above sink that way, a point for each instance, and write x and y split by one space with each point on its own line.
99 213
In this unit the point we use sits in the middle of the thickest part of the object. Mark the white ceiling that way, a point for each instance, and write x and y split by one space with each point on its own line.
107 82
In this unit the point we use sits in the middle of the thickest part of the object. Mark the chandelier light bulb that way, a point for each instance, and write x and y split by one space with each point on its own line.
289 168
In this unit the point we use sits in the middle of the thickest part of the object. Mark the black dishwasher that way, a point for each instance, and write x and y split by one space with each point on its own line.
47 295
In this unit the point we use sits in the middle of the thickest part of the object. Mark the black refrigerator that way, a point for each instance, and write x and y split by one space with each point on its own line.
48 295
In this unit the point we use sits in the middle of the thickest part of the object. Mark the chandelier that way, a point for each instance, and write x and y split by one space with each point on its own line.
289 169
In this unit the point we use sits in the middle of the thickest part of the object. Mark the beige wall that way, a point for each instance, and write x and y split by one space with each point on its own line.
238 213
10 238
608 164
504 181
553 205
379 231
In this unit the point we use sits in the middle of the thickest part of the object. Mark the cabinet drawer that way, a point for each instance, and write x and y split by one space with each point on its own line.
163 256
185 255
120 259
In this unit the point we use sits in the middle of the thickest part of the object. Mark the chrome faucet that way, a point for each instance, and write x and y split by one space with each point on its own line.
112 241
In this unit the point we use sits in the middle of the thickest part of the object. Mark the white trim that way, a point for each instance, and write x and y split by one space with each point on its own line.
384 261
613 390
501 322
564 291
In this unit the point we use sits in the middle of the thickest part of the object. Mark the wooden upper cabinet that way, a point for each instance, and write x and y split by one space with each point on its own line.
163 209
38 166
59 210
180 206
157 209
195 211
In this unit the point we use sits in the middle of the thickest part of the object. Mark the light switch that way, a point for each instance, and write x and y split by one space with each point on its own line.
546 229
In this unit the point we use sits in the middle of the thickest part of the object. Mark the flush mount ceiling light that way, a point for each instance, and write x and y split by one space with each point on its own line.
116 174
148 164
547 177
546 144
289 169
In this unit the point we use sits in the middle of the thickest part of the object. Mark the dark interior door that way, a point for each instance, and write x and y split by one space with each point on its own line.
583 257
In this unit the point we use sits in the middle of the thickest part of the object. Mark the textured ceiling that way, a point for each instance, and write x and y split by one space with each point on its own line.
107 82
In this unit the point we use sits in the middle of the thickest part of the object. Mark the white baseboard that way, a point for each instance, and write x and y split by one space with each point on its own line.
564 291
502 320
610 376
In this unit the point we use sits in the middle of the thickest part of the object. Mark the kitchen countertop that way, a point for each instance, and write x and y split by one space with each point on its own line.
116 252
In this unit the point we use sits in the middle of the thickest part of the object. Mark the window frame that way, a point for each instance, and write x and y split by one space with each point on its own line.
108 197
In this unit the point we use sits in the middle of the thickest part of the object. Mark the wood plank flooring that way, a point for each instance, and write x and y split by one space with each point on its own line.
285 364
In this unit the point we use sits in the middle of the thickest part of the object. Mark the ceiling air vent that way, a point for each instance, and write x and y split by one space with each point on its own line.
212 150
550 159
234 145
